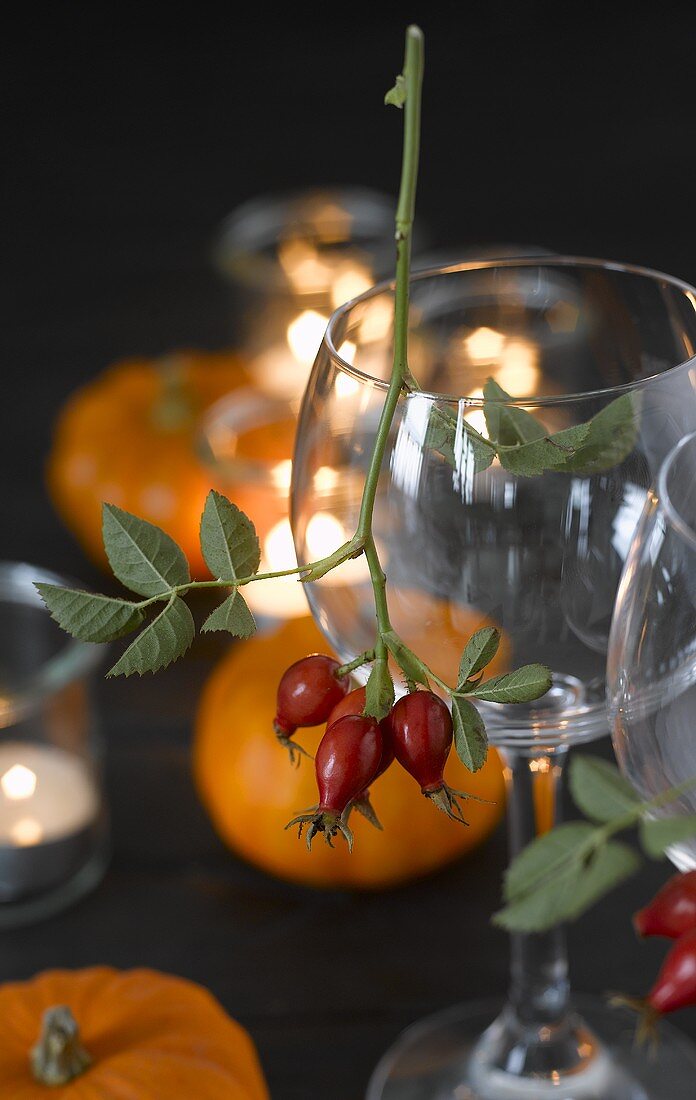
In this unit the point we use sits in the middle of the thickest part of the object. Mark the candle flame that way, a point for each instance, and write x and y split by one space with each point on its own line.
18 782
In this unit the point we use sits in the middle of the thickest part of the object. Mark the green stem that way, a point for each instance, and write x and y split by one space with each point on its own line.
177 589
413 78
363 659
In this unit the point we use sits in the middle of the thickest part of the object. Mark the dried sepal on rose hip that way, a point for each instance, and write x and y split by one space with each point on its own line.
347 760
421 735
307 693
672 911
354 703
674 988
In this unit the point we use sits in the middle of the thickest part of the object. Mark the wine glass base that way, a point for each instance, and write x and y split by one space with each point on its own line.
445 1057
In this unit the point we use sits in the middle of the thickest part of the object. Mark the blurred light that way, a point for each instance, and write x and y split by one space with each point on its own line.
26 831
303 266
325 534
484 343
325 479
518 373
278 597
377 320
349 284
346 386
305 335
281 474
18 782
347 351
475 417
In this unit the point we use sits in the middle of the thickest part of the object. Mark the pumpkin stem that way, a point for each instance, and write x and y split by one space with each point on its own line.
59 1056
173 408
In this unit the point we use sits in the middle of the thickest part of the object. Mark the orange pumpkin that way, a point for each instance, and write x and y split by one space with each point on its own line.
129 438
251 792
113 1034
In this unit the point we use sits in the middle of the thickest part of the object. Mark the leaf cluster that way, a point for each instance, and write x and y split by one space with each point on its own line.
524 446
149 563
564 872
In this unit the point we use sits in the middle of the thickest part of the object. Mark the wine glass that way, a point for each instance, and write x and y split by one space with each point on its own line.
651 670
537 556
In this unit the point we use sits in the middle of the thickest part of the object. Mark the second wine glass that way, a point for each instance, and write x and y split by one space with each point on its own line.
574 341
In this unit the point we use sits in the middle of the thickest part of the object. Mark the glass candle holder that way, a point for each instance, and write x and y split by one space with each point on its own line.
292 259
247 442
53 821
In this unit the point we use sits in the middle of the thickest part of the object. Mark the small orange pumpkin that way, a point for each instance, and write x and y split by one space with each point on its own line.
129 438
251 792
109 1034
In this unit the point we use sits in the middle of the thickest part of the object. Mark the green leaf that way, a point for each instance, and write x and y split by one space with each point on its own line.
396 96
546 856
599 789
161 642
470 738
483 453
572 889
611 436
142 556
409 663
442 436
659 833
232 615
507 424
90 617
553 452
521 686
478 652
379 694
228 539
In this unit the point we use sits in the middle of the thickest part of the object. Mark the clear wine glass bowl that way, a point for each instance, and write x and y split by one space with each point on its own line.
468 538
651 672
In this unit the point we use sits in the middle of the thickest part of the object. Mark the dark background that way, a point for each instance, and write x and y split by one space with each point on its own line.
127 138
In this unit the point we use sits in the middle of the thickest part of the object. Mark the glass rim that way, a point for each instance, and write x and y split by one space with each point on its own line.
665 501
71 662
547 260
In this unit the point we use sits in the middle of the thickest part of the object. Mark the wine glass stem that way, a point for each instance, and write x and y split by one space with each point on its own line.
539 988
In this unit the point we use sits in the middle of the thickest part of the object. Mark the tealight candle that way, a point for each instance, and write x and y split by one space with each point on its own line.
53 824
49 805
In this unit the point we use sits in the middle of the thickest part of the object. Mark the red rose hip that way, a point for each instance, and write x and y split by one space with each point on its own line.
354 703
675 986
421 733
672 911
349 754
307 693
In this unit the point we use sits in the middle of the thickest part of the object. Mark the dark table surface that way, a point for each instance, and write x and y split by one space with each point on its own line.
127 140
